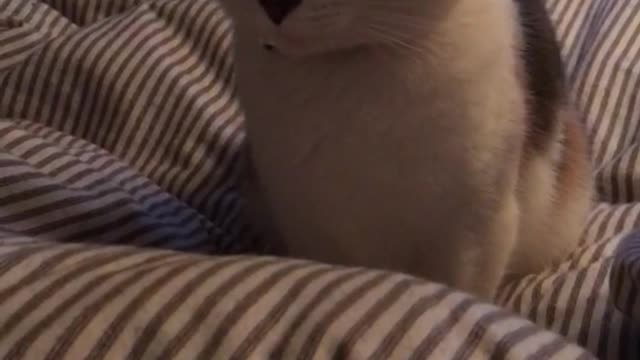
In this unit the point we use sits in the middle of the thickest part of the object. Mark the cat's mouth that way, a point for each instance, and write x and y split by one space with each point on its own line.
289 46
269 47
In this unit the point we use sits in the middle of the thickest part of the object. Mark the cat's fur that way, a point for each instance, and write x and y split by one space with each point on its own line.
413 135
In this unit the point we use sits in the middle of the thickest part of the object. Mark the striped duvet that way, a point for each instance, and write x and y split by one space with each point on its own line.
120 235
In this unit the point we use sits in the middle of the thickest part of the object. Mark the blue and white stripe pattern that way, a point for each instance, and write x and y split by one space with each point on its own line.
119 128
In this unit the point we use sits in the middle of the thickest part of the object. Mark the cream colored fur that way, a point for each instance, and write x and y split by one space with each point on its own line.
390 134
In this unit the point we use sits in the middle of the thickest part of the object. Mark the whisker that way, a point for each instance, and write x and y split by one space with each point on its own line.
394 41
397 10
409 23
392 5
384 30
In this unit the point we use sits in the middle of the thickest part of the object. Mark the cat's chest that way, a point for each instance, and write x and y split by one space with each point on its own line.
346 132
326 150
404 126
339 157
377 119
354 107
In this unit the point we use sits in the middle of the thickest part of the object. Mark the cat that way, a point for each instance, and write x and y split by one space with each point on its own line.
429 137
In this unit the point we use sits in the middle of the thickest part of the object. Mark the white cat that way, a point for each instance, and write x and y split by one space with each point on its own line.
432 137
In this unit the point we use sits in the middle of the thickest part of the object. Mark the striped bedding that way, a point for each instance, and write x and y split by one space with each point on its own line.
120 234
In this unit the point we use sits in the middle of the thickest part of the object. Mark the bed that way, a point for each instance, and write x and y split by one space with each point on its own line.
120 228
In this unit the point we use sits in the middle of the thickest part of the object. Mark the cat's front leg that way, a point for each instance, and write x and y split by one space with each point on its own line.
484 263
256 209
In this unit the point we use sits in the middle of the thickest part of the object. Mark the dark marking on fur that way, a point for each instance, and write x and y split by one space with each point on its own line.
278 10
545 75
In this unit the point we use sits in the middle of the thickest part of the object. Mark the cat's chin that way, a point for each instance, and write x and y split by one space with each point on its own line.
307 52
301 46
291 52
295 50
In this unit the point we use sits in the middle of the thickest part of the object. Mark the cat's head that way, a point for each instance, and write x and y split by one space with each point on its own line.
311 27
